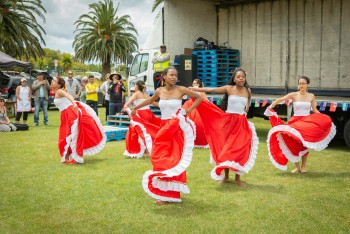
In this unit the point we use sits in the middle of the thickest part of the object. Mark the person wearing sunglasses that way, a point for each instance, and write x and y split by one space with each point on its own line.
41 88
73 86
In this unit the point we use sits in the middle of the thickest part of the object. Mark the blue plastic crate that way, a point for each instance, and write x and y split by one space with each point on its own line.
210 83
211 52
115 133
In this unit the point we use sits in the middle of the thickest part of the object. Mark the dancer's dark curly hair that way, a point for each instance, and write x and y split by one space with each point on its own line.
232 82
61 82
140 85
199 82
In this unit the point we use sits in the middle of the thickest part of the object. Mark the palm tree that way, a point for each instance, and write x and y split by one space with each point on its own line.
66 61
20 33
156 4
104 36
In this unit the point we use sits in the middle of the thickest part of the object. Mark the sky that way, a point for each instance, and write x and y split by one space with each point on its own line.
61 15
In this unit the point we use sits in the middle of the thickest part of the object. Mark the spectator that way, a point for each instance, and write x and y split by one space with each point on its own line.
5 124
160 62
82 90
24 97
104 90
41 87
72 85
116 90
91 90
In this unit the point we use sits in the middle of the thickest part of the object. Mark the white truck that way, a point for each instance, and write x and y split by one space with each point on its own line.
142 69
278 41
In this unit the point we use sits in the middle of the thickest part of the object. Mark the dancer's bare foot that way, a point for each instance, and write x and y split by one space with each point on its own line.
296 170
303 170
240 183
160 202
72 162
224 180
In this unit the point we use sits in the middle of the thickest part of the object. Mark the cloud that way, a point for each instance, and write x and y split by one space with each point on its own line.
61 15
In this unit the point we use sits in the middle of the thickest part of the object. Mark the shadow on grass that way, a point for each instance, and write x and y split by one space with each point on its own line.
338 144
188 207
314 175
232 187
93 160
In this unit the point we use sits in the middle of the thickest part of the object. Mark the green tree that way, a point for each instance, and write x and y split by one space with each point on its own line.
156 3
20 32
66 61
102 35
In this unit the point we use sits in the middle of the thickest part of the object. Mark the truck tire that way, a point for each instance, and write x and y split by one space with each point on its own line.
347 133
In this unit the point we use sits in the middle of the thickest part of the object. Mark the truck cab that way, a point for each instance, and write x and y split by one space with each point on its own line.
142 69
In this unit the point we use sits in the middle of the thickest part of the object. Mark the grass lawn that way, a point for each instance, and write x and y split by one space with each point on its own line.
38 194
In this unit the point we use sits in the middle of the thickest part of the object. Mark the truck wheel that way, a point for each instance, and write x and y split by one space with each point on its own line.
347 133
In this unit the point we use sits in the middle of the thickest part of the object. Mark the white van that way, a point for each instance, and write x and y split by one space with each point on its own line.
96 75
142 69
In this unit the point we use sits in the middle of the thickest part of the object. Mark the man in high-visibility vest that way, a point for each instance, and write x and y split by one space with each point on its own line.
160 62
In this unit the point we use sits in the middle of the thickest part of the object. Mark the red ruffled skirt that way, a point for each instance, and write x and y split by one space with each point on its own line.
171 155
290 142
232 140
201 140
80 134
137 138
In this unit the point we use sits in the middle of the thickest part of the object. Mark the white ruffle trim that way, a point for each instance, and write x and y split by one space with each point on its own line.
145 179
95 149
71 140
231 164
170 186
137 155
320 145
287 153
148 138
186 157
269 113
296 158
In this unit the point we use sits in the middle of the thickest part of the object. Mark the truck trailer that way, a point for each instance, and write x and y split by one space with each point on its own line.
278 41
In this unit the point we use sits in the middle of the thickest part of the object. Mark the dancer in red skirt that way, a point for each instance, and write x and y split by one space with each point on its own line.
81 132
138 142
232 138
173 143
201 141
292 141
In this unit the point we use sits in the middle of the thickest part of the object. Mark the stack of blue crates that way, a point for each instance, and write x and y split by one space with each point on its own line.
115 133
215 67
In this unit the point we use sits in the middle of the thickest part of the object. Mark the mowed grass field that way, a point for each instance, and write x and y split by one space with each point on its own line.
38 194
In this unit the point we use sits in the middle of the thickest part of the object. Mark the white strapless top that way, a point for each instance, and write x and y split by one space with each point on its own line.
236 104
169 107
138 101
62 103
301 108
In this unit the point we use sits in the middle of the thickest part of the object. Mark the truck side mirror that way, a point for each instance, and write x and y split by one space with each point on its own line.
144 79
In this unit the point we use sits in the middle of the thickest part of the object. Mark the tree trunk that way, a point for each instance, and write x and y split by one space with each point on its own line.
106 67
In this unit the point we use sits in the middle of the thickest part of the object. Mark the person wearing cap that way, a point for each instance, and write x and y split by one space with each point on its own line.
91 90
160 62
72 85
104 90
24 97
41 89
5 124
116 92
